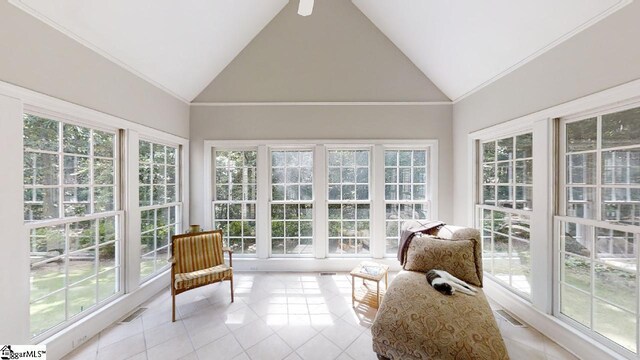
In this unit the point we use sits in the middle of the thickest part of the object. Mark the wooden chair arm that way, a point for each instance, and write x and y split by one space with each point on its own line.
171 260
228 250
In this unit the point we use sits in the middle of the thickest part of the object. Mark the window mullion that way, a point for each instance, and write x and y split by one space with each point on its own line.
263 230
320 213
378 208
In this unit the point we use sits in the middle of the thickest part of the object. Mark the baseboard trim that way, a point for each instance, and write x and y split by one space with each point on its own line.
572 340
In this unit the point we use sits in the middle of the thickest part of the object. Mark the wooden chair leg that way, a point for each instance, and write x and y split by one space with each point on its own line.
231 281
173 306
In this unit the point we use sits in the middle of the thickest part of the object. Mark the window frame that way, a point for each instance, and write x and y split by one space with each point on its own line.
178 204
480 207
285 202
429 174
211 201
320 231
118 213
561 216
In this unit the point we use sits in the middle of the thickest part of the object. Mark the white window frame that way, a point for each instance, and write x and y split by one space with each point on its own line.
480 206
211 188
117 212
285 202
560 216
179 203
428 191
320 146
369 201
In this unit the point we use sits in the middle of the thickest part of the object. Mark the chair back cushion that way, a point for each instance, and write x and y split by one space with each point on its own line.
192 252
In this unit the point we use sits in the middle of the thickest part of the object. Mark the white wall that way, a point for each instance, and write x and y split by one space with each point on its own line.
37 57
603 56
321 122
336 54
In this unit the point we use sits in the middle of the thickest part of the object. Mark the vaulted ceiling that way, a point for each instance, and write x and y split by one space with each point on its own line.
182 46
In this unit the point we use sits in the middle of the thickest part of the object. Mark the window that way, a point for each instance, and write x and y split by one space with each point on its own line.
292 202
349 203
160 205
235 199
598 226
506 170
71 203
405 192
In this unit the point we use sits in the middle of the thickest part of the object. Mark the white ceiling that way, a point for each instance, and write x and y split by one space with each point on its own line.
462 45
181 46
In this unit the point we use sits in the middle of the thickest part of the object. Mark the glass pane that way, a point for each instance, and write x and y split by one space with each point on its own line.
524 146
41 169
47 313
107 284
47 274
40 133
616 285
82 264
76 139
621 128
145 151
524 197
581 168
505 172
576 271
577 239
582 135
103 144
615 324
103 172
81 297
107 257
82 234
104 199
390 158
159 153
576 305
76 170
489 194
504 149
277 246
621 167
76 201
581 202
489 151
147 265
524 172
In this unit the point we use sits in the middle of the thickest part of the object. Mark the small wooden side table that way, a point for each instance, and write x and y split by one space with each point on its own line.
372 271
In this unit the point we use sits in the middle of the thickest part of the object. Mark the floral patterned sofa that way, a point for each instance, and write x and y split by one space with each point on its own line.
417 322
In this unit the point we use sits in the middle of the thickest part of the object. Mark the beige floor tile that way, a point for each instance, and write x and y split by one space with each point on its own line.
318 348
118 332
203 335
252 333
271 348
296 336
341 333
164 332
123 349
362 348
171 349
224 348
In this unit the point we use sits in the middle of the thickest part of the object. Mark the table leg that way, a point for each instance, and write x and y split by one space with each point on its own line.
386 281
353 291
378 293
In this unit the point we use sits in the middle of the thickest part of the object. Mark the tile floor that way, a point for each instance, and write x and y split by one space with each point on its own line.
275 316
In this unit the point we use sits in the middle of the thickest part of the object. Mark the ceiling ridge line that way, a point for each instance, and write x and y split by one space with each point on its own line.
316 103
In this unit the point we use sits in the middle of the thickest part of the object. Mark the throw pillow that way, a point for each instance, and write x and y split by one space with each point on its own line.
456 257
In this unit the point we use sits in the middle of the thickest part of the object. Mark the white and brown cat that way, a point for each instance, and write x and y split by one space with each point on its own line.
448 284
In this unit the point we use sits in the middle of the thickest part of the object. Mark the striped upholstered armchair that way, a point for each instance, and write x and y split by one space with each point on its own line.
197 261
